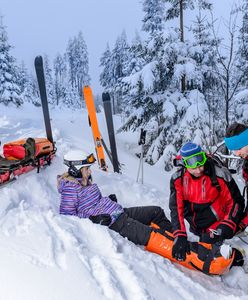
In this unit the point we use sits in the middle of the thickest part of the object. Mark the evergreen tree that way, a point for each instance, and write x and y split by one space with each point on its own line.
115 65
154 16
49 80
173 11
242 55
60 69
9 89
106 64
77 54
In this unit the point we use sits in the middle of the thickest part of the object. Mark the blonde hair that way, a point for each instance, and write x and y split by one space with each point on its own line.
67 177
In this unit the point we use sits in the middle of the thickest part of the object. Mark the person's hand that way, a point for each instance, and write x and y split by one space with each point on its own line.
103 219
211 237
180 248
225 232
113 197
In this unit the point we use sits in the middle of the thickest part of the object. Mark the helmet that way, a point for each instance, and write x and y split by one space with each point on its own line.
192 155
76 159
189 149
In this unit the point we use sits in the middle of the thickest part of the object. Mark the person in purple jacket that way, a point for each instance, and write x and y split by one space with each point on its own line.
81 197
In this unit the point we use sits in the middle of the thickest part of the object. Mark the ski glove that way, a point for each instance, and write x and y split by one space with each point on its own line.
103 219
225 231
211 237
180 248
113 197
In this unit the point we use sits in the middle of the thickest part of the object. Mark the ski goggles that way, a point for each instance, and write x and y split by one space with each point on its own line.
195 160
90 159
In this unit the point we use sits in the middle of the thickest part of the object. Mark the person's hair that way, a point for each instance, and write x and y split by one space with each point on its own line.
85 180
235 129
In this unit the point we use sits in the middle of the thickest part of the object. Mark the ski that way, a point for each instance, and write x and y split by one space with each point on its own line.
89 100
43 95
111 133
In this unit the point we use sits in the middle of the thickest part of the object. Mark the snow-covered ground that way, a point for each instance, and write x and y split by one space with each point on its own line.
44 255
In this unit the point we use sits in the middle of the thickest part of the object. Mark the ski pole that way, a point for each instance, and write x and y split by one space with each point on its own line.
141 142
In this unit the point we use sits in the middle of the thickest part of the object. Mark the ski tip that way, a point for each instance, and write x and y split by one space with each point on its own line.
87 91
86 88
38 60
105 97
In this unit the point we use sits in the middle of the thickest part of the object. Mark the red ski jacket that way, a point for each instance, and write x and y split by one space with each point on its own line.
203 203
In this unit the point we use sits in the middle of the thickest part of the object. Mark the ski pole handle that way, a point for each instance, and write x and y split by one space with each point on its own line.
142 139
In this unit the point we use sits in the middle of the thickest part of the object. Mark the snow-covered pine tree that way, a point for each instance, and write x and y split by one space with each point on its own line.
173 8
78 61
241 97
106 74
154 16
119 62
60 74
49 80
9 89
203 52
242 55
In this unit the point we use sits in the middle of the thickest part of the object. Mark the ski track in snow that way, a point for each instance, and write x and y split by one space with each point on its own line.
33 232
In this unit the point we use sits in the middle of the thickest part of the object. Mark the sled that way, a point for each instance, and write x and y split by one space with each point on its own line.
22 156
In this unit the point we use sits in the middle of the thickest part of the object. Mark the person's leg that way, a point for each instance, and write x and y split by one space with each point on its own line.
133 230
148 215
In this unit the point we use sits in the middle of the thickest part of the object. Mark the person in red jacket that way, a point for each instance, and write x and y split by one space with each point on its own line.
236 140
207 196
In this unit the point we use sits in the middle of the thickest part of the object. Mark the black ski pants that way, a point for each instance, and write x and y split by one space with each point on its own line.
134 223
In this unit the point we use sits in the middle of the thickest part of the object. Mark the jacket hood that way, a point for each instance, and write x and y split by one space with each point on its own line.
66 180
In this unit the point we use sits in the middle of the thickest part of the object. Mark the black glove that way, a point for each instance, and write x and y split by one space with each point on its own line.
211 238
113 197
180 248
103 219
225 231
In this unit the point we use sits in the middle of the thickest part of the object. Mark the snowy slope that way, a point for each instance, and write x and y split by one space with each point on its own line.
44 255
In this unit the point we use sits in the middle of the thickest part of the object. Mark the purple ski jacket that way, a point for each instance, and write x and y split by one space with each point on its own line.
85 201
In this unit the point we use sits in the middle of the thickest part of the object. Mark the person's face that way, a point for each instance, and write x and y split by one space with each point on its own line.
243 152
196 172
86 172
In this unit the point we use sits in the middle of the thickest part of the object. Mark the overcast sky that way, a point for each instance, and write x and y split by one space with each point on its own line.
38 27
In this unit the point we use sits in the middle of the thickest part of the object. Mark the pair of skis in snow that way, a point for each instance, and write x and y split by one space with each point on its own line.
100 145
99 142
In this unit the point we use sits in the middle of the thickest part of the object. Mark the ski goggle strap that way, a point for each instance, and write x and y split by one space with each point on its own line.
237 142
195 160
89 160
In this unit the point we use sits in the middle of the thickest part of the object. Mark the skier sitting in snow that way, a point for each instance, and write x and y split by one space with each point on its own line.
237 140
145 225
207 196
82 198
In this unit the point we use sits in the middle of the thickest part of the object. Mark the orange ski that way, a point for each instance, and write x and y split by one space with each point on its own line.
89 100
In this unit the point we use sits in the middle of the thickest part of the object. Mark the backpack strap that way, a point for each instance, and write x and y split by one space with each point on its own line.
212 174
30 149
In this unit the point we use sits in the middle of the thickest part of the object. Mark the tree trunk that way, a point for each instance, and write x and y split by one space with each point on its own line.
183 80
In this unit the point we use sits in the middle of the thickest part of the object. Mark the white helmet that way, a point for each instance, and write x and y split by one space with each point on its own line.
78 159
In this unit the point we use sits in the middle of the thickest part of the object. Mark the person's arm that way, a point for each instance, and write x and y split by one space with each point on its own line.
69 200
233 204
176 205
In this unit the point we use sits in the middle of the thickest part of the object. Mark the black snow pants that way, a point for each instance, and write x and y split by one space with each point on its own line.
134 223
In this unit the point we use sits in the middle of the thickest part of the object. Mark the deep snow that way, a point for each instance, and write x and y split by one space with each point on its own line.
44 255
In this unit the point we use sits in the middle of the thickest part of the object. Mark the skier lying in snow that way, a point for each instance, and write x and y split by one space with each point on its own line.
147 226
207 196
